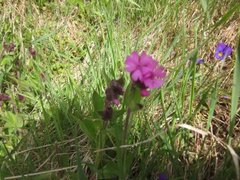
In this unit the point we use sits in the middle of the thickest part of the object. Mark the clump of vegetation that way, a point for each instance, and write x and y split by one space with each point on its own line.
119 89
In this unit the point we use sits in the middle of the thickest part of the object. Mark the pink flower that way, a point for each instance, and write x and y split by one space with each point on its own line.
154 79
145 71
139 65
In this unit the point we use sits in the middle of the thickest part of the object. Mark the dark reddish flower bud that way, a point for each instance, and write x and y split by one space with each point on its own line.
21 97
4 97
32 52
8 47
112 92
42 75
107 113
117 87
11 47
116 102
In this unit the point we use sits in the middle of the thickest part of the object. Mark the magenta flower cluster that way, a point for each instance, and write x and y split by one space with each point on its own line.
145 72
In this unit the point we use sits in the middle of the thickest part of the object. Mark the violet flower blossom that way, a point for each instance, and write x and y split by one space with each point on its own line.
162 176
145 72
222 51
200 61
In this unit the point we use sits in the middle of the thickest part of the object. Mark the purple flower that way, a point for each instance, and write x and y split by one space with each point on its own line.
162 176
145 72
200 61
222 51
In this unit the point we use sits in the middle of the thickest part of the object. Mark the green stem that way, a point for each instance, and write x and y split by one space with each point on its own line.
125 130
124 140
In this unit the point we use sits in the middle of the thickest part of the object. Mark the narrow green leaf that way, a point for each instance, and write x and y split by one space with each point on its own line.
235 90
90 128
134 3
204 4
6 60
227 15
212 105
80 171
98 102
13 121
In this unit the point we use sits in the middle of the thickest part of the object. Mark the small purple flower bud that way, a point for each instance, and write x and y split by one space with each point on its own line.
116 102
8 47
144 92
21 98
11 47
107 113
200 61
117 87
32 52
4 97
112 92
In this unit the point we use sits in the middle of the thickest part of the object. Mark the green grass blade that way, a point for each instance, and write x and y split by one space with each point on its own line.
204 5
227 16
212 105
235 90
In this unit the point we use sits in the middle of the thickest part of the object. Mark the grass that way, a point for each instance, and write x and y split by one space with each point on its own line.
56 132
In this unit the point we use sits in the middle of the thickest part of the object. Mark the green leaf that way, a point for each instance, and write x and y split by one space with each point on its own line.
134 3
6 60
212 105
90 127
98 102
110 170
235 89
132 97
80 170
12 121
227 16
204 5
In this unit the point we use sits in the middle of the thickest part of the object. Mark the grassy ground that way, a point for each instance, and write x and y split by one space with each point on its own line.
187 129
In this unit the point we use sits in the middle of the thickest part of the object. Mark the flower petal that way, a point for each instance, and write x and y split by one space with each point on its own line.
157 83
137 75
132 62
227 51
200 61
220 47
144 59
160 72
